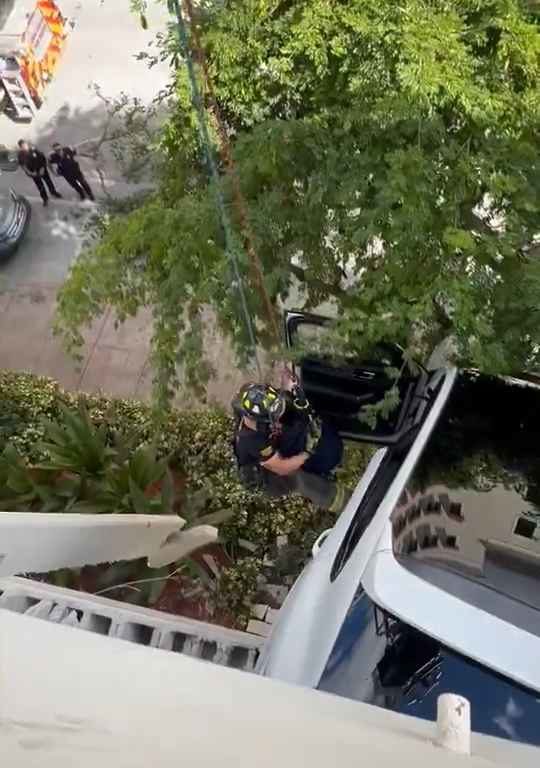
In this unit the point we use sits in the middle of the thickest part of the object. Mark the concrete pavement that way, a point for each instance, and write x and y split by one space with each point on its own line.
104 39
52 243
115 360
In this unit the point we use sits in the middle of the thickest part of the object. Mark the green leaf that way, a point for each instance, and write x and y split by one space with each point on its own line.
458 239
167 493
140 503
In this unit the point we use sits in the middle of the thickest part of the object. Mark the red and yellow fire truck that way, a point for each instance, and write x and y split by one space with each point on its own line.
28 62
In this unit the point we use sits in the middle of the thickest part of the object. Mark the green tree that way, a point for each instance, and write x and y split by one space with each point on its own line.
388 154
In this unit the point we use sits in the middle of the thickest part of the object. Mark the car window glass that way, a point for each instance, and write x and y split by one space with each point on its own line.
316 339
469 517
369 505
311 334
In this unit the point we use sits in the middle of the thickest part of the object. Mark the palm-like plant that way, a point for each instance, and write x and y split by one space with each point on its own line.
83 473
17 487
87 472
140 484
77 445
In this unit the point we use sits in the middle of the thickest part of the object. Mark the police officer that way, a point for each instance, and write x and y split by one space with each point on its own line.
65 164
34 164
281 448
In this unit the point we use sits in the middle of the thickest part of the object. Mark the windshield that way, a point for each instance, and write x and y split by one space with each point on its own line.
469 518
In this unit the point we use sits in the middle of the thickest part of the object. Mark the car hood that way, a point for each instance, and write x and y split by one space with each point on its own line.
7 213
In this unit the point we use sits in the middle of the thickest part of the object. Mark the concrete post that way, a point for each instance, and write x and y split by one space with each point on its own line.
182 543
31 541
454 723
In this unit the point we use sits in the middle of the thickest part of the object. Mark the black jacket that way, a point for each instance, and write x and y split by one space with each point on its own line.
64 160
33 161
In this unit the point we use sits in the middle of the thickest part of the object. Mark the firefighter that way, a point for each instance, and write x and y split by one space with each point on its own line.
34 164
281 447
63 161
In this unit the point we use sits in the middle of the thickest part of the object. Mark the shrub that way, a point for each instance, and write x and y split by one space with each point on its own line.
199 444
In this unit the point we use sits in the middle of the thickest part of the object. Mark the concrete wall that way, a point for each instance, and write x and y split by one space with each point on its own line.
136 624
74 698
45 542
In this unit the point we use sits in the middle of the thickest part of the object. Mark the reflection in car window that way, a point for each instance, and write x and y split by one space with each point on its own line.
317 338
469 520
311 334
384 661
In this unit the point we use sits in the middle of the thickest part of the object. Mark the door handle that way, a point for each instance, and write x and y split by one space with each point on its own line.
316 548
363 374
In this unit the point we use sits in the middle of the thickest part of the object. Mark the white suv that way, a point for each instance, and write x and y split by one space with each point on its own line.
430 579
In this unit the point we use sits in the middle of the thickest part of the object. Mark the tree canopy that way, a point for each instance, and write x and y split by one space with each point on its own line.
388 156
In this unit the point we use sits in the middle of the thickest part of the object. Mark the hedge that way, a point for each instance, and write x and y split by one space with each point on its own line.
199 444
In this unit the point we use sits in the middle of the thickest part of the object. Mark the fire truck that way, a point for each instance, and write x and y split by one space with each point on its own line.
29 61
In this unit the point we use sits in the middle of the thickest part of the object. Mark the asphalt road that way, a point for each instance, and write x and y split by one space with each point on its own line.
51 243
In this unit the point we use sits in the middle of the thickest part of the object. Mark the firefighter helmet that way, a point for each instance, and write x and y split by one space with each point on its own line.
261 402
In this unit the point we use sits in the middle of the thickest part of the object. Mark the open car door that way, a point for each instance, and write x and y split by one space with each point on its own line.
339 390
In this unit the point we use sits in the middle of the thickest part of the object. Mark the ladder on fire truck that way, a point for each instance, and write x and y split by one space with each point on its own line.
29 61
21 104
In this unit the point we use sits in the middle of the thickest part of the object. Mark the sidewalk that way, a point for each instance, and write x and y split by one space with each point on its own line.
115 360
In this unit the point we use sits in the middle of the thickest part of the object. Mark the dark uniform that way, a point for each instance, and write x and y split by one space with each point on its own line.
288 437
34 164
68 167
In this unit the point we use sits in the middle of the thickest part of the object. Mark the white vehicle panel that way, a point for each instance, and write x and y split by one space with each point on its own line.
311 618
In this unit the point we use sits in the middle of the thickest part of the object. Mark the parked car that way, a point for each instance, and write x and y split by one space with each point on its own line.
429 582
15 215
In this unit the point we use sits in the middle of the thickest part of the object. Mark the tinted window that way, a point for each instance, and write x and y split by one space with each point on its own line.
381 660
